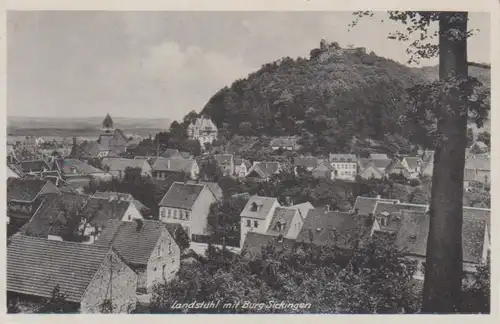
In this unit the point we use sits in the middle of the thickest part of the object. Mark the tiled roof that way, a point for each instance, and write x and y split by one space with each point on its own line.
478 163
479 213
304 208
173 165
306 162
35 266
49 218
412 234
284 142
342 157
100 211
203 124
79 167
364 163
265 169
171 154
238 162
119 164
263 204
34 166
281 221
413 162
111 194
214 187
341 229
24 189
366 205
379 156
254 242
223 158
182 195
381 164
134 241
393 207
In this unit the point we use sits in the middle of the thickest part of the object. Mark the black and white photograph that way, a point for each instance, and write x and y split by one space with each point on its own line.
248 162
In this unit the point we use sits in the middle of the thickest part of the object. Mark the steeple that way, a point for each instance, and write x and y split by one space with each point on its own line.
107 124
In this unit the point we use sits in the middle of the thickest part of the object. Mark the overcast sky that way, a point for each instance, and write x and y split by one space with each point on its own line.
164 64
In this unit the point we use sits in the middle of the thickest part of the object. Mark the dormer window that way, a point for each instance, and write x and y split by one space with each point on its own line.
254 207
278 226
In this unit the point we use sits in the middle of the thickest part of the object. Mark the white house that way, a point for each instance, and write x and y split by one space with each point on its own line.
345 165
257 215
187 204
204 130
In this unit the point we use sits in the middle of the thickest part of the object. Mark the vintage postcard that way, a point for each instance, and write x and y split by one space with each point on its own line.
246 161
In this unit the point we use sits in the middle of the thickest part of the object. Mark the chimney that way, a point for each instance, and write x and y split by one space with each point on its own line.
168 164
139 224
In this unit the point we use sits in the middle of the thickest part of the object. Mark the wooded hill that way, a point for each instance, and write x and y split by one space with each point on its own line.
335 96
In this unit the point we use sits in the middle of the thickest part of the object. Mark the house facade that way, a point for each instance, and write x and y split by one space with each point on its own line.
187 204
93 279
286 221
345 165
117 166
288 143
162 168
147 247
371 172
225 163
241 167
203 130
257 215
413 165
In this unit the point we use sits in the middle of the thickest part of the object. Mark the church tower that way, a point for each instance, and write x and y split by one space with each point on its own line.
107 124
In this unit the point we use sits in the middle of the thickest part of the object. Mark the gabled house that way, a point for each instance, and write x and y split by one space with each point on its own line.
202 129
329 228
256 215
215 188
378 156
397 168
262 171
307 162
389 213
324 170
163 167
118 166
368 170
366 205
241 167
346 166
34 166
288 143
50 221
413 165
427 166
187 204
413 230
225 163
13 171
70 167
255 242
119 196
477 170
286 221
147 247
91 277
99 212
24 197
171 154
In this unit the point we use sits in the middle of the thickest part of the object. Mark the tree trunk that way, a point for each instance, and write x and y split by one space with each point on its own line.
443 273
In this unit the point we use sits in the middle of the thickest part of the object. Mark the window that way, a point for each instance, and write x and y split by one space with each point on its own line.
169 213
170 247
255 224
159 252
253 207
129 217
187 215
163 271
162 213
175 213
249 223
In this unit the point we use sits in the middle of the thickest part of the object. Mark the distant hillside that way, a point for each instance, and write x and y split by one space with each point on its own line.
335 96
432 73
87 126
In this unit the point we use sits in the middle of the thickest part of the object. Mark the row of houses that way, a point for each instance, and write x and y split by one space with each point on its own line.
120 255
264 221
